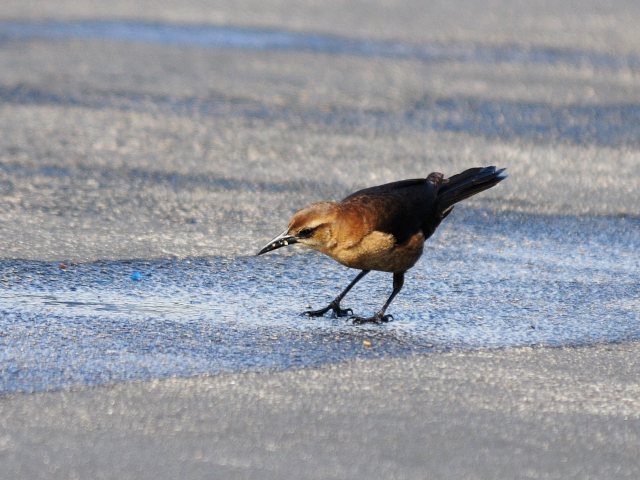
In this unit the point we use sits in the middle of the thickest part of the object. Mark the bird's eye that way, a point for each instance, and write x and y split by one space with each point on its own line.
305 233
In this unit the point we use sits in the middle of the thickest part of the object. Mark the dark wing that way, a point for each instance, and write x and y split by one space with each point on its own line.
388 188
399 208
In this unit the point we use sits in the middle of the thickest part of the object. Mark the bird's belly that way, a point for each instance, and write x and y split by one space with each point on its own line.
379 251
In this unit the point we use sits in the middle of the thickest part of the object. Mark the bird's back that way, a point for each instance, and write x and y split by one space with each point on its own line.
419 205
399 208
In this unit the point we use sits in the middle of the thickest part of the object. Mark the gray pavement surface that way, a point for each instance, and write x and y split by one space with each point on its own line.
515 413
173 140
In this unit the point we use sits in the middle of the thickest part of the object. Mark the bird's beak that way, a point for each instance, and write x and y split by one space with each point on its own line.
281 240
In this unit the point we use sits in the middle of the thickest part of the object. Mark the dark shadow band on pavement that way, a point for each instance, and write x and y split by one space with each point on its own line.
238 38
603 125
136 178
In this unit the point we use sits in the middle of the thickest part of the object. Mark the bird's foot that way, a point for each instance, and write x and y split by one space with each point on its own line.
377 318
335 306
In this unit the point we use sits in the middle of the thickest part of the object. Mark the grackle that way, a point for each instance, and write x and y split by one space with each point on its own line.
382 228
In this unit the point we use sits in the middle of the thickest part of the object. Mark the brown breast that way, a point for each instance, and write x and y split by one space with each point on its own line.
378 251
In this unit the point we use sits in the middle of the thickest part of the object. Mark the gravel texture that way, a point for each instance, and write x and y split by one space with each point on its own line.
163 153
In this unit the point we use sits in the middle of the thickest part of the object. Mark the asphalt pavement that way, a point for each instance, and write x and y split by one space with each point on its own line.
149 149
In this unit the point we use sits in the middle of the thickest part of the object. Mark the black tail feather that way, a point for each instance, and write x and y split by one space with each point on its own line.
465 185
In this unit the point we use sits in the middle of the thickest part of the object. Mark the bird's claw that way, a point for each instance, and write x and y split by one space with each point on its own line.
316 313
378 319
337 311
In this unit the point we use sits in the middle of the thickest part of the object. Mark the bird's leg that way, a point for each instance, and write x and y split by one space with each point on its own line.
335 304
380 317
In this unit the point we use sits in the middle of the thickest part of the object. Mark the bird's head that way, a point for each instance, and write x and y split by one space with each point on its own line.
310 227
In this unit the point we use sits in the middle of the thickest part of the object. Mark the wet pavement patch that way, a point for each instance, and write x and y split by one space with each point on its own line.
558 281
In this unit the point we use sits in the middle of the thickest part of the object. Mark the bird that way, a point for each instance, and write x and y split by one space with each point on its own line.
381 228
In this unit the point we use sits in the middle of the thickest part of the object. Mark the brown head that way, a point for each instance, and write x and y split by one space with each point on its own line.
311 227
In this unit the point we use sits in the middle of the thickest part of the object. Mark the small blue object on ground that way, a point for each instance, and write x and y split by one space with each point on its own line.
136 276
